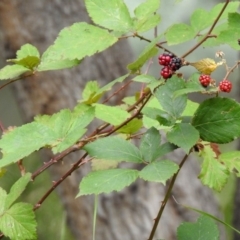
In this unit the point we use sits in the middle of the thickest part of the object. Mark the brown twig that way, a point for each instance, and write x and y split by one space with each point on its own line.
12 81
231 70
167 196
55 184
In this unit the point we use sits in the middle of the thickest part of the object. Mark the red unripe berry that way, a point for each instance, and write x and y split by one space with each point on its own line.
166 72
225 86
165 59
204 80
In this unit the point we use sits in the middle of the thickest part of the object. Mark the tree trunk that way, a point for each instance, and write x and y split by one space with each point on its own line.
126 215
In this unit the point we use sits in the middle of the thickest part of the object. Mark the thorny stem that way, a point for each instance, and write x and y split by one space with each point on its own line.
167 196
55 184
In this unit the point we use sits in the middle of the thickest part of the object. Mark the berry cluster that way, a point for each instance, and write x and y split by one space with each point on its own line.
224 86
170 63
204 80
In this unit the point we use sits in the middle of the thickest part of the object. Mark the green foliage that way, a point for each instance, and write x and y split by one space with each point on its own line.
70 41
12 71
183 135
58 131
113 15
204 228
217 120
165 95
113 115
159 171
106 181
213 173
162 104
149 51
117 149
17 221
145 19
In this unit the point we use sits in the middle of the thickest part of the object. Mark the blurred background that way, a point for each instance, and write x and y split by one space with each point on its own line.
38 23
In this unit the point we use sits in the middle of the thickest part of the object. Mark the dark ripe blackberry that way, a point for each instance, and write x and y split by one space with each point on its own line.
165 59
166 72
175 63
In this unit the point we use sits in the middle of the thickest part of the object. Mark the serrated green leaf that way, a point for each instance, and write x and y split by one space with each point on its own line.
19 143
131 127
112 115
183 135
59 131
149 51
48 63
192 85
13 71
165 95
106 181
150 144
113 15
179 33
166 148
145 19
233 20
149 22
231 160
146 8
212 217
29 62
217 120
213 173
161 116
27 50
90 89
68 127
190 108
201 19
3 196
230 37
16 190
99 164
144 78
78 41
149 122
18 222
204 228
117 149
159 171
